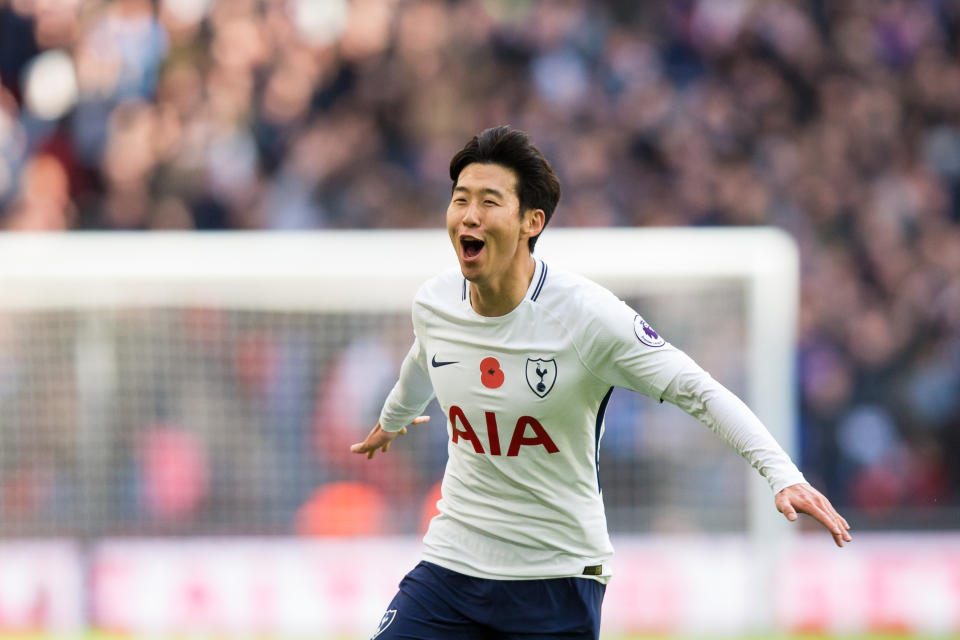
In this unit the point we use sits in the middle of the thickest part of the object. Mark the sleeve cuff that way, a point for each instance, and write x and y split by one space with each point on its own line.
779 485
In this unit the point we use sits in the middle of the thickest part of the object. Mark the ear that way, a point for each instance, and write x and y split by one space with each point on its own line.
533 222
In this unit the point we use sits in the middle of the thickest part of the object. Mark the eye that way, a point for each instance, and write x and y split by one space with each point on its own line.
460 200
490 203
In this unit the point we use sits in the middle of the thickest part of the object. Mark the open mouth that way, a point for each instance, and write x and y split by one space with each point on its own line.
471 247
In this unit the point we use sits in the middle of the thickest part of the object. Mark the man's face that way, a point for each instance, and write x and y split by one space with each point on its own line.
484 222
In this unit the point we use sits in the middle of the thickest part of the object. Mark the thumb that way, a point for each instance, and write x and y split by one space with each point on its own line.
787 510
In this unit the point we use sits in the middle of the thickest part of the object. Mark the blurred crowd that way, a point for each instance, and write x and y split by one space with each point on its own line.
836 121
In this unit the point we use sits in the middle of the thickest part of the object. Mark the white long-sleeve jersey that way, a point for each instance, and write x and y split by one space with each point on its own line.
524 395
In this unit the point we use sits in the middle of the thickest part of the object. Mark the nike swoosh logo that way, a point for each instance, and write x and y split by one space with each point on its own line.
441 364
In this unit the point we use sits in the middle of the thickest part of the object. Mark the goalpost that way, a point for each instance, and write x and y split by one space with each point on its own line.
245 342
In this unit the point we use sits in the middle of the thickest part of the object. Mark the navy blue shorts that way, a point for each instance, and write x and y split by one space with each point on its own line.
438 604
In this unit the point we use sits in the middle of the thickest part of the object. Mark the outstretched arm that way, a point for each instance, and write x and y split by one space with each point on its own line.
694 391
622 349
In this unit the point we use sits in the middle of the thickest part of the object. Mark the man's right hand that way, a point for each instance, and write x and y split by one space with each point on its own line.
381 439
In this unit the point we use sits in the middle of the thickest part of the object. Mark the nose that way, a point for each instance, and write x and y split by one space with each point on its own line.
471 217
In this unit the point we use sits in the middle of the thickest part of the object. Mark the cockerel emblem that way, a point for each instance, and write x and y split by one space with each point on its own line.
541 375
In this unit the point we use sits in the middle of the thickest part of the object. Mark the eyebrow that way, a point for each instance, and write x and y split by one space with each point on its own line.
485 190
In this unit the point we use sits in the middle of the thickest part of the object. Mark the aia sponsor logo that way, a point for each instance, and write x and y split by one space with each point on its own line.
461 429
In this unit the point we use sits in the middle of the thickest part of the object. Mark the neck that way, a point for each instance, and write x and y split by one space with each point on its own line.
501 296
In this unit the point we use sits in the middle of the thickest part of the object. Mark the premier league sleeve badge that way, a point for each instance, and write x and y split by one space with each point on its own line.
646 334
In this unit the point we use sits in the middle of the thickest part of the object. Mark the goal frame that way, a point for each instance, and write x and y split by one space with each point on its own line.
381 270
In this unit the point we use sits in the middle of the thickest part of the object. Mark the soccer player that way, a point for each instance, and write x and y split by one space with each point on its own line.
522 358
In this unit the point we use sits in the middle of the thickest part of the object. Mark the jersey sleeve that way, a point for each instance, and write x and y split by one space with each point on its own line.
620 348
697 393
412 392
623 350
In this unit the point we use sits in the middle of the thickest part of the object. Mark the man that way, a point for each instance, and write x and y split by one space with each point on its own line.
522 358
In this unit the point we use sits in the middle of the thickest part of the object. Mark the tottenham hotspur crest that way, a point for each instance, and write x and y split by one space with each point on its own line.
541 374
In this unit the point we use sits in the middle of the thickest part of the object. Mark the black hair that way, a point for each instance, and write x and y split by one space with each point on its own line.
537 184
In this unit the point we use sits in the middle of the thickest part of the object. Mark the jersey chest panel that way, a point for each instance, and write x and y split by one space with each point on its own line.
512 389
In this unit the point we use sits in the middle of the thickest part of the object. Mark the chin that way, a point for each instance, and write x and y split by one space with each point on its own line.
471 272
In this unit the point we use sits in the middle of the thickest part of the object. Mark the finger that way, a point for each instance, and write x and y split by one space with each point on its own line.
358 448
786 508
420 420
827 519
840 526
386 445
845 530
840 538
836 527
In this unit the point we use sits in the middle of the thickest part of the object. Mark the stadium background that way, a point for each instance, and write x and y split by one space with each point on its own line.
836 122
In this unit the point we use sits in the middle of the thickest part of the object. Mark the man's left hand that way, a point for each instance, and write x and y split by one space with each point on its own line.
803 498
